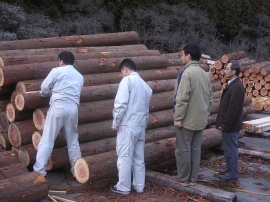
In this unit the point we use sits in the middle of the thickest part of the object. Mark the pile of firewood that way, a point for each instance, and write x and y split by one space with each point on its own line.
255 77
23 66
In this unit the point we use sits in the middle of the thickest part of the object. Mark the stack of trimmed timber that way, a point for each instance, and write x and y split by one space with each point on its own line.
254 76
21 76
257 125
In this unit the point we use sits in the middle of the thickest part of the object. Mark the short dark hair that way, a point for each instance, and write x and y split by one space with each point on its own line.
128 63
194 51
67 57
236 66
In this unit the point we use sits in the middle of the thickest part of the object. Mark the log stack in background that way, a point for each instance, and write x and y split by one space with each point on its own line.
254 76
24 65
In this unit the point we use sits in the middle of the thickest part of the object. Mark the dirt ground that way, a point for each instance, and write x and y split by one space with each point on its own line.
211 160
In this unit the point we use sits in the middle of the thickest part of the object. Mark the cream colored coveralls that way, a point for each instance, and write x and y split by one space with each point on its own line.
64 84
130 114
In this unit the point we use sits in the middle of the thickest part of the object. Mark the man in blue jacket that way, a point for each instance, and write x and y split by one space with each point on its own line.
229 119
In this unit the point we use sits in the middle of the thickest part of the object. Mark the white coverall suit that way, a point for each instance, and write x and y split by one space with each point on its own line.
64 84
130 115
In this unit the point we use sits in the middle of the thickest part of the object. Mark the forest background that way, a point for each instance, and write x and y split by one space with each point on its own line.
220 27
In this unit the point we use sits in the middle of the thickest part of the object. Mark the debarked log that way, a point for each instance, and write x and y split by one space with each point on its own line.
33 100
100 166
4 123
60 159
13 114
103 79
31 186
4 141
20 132
12 170
102 110
14 73
108 39
74 50
206 192
27 59
233 56
8 158
102 129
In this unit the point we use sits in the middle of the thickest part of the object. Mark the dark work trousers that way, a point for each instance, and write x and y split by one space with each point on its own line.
230 148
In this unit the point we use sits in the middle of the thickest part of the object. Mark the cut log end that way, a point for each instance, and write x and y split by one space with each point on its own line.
38 119
14 135
36 137
24 156
49 165
2 64
1 77
19 102
81 171
10 112
20 87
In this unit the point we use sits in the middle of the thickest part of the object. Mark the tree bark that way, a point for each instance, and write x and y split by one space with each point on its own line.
28 59
8 158
4 123
20 132
31 186
102 129
233 56
13 114
60 159
74 50
3 104
33 100
206 192
102 110
12 170
103 79
10 75
111 39
4 141
103 165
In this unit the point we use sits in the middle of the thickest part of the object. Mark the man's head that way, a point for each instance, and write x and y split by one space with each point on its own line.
190 52
232 69
127 66
66 58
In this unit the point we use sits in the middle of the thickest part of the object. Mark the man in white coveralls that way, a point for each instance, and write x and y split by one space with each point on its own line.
64 84
130 118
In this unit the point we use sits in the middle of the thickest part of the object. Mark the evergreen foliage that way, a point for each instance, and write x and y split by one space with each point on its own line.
218 26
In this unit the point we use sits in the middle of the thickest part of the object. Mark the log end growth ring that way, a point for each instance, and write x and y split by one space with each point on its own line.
19 101
81 171
38 119
14 135
36 137
10 112
1 77
2 64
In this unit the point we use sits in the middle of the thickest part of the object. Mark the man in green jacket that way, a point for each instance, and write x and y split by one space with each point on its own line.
192 101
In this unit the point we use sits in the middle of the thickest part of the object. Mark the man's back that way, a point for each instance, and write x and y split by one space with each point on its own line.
65 83
134 95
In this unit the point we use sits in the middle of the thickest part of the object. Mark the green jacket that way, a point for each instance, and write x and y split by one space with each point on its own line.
194 98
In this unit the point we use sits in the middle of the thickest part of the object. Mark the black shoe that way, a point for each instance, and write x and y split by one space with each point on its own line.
222 172
114 189
223 177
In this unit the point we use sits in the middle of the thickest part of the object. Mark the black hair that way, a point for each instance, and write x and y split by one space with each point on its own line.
194 51
236 66
67 57
128 63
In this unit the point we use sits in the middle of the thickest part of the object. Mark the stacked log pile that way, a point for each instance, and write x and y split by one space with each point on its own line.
24 65
254 76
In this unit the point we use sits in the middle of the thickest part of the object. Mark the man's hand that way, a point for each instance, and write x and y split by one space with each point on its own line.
220 128
178 124
114 128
